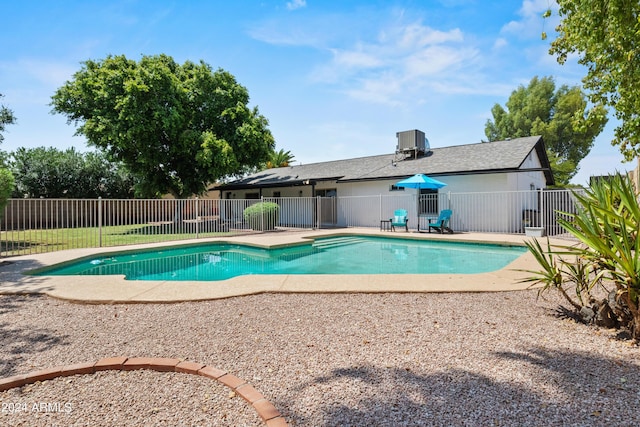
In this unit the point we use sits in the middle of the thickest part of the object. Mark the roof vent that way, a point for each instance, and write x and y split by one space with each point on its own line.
413 142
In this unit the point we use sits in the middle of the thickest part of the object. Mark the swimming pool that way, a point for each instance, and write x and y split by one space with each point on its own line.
332 255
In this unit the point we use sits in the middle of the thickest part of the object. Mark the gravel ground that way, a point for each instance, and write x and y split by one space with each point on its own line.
483 359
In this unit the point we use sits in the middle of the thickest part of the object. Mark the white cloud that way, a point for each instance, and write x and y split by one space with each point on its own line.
355 59
403 59
471 85
384 89
500 43
296 4
436 60
308 31
416 35
395 61
531 22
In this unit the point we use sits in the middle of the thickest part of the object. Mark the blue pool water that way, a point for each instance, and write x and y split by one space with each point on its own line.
337 255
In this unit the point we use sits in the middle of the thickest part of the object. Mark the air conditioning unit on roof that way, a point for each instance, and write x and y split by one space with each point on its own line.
413 141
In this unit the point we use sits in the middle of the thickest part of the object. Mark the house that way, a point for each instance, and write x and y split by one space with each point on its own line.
516 164
519 164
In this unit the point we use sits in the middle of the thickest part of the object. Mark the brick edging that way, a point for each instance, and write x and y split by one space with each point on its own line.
265 409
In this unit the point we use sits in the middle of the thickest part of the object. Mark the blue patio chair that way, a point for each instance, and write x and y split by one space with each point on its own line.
442 222
399 220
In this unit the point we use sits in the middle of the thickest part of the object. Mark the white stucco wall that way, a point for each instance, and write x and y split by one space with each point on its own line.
530 180
455 184
466 195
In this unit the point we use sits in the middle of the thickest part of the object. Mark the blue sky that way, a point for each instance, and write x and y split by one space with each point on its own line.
335 79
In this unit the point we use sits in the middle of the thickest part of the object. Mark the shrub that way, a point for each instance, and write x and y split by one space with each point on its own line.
606 223
262 216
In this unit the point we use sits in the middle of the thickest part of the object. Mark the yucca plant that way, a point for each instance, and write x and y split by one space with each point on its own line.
606 224
560 274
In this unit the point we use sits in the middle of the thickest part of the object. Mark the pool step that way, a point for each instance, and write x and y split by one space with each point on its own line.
335 242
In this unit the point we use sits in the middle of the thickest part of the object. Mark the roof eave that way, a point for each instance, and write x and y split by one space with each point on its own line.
544 161
292 183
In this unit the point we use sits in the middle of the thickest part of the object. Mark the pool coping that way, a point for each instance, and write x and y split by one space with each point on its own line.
114 289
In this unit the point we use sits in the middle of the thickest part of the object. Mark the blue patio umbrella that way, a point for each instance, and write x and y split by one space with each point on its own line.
420 181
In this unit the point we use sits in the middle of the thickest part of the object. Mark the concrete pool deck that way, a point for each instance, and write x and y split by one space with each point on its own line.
115 289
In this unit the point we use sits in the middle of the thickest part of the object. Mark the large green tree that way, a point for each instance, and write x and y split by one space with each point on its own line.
563 118
176 127
6 178
605 34
6 118
51 173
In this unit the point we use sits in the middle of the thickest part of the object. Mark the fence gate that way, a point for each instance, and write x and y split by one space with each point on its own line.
327 211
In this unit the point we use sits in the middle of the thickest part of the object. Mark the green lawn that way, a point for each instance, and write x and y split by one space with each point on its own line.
38 241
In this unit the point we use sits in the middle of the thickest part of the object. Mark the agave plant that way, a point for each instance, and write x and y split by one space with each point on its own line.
560 274
606 224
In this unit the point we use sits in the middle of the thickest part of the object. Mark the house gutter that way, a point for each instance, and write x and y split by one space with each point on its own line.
440 174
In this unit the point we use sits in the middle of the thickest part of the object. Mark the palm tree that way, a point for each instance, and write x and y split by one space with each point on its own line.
280 159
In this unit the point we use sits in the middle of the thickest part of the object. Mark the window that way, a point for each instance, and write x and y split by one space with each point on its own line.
329 192
276 194
393 187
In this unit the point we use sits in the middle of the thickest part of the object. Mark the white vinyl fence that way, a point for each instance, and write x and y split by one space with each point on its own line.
44 225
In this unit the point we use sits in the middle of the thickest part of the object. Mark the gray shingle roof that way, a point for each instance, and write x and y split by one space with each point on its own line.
496 156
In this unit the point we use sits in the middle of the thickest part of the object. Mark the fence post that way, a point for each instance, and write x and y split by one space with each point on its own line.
542 208
318 212
99 222
262 213
196 215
